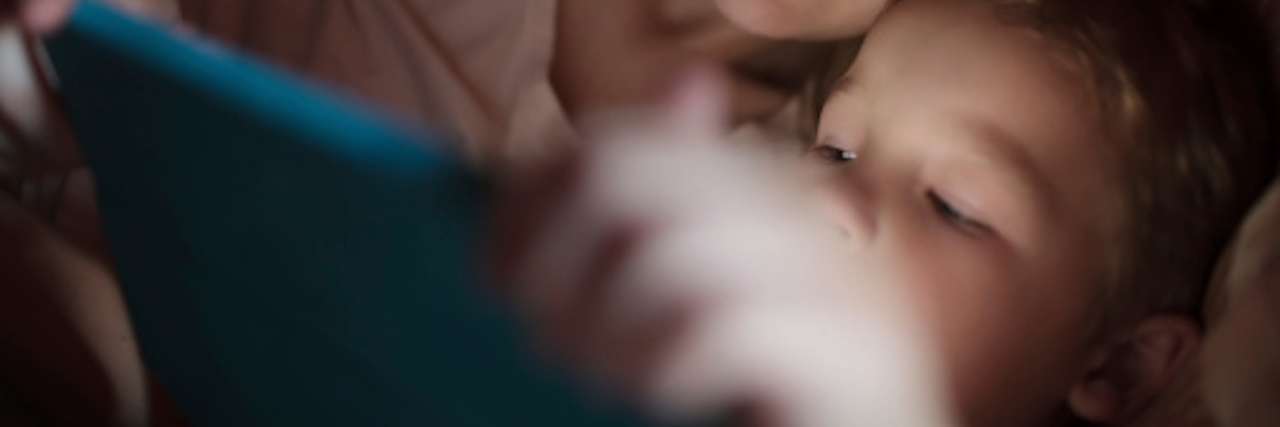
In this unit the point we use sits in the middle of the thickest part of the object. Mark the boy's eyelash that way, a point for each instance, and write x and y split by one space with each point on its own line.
947 211
953 215
834 154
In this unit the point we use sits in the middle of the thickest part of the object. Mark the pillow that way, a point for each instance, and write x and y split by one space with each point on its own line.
1241 354
1235 379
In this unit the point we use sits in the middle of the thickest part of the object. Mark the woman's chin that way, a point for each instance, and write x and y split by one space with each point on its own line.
768 18
802 19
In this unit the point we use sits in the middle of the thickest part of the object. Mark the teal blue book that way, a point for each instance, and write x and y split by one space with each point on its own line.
288 257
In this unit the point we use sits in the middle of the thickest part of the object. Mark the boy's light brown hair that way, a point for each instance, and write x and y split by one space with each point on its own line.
1185 87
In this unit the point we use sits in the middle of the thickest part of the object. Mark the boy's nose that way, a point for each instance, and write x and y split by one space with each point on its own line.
847 212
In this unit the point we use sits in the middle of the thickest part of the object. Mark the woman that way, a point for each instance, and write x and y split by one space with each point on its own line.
406 57
577 79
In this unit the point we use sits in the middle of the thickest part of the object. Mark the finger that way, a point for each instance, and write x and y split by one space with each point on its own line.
162 10
754 101
570 269
14 159
795 357
33 125
755 412
43 17
518 217
21 102
569 320
610 255
625 359
701 376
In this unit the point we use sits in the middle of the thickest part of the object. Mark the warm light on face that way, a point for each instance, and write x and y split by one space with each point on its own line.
976 187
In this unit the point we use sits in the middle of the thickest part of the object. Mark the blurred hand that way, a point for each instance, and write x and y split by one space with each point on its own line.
68 344
682 272
35 138
37 16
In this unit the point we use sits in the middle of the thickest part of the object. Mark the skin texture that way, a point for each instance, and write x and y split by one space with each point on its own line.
627 53
994 214
803 19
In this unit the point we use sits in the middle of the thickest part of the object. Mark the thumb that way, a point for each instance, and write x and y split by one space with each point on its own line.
42 17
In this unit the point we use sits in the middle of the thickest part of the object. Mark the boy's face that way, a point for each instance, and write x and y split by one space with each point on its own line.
983 185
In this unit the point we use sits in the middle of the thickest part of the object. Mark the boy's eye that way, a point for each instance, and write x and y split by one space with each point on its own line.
834 154
955 216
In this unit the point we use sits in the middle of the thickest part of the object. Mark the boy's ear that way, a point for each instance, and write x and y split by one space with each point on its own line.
1132 371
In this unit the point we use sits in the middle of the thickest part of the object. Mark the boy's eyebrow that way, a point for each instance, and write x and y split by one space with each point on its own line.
1007 150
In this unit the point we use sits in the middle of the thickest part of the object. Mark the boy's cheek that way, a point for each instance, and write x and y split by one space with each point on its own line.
990 329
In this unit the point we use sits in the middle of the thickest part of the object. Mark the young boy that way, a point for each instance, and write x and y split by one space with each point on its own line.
1050 181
